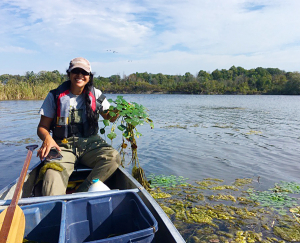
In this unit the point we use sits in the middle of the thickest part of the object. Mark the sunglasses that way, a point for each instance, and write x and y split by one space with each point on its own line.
78 71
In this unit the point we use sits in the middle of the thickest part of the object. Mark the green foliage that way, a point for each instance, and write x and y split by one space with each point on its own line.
278 198
284 186
164 181
30 86
235 80
131 116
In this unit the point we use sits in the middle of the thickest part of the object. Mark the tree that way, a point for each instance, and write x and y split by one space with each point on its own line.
203 76
188 77
217 75
292 87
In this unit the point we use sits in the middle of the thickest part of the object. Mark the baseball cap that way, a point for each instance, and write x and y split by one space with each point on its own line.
80 62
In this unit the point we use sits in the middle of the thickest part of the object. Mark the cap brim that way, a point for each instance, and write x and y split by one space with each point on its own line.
79 66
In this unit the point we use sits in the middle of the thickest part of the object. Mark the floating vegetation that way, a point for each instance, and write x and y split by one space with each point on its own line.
288 232
296 213
176 126
228 108
290 187
222 125
222 197
19 142
166 181
223 187
159 194
242 182
209 211
277 198
251 132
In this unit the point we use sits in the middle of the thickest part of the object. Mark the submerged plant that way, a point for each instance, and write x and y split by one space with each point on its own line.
130 116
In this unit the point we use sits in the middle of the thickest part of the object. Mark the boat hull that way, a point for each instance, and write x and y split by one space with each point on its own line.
119 182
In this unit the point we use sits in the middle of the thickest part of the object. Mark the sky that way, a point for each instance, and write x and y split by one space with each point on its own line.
155 36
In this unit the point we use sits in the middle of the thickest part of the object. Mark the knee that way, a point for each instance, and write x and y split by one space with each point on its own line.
112 155
117 157
53 184
51 175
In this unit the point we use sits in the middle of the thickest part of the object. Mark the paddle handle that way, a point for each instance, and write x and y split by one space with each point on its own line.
12 207
20 183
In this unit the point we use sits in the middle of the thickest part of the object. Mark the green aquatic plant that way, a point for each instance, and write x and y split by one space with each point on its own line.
166 181
247 201
205 215
130 115
169 211
222 197
158 194
222 125
176 126
251 132
242 182
195 198
223 187
278 201
284 186
296 213
206 183
288 232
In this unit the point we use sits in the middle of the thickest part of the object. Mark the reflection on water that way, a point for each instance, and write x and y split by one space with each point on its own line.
224 137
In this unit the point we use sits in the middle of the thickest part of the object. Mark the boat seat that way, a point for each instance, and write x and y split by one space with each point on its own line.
81 168
80 172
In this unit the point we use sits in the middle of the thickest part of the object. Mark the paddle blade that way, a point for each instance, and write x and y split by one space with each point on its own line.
17 229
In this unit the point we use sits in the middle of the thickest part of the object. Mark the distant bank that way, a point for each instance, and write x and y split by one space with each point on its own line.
235 80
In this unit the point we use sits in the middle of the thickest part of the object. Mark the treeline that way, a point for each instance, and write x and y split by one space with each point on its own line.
235 80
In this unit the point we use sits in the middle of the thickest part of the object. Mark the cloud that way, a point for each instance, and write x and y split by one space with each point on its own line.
158 36
16 49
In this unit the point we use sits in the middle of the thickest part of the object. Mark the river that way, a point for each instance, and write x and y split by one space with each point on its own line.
195 136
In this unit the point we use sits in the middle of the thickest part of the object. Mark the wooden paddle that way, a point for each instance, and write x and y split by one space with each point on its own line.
12 219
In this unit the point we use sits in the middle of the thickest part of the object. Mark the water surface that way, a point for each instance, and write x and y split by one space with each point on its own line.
195 136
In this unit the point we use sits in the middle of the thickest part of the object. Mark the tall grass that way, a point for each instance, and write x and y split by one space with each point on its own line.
25 91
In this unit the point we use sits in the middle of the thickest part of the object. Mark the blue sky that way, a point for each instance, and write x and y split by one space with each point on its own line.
154 36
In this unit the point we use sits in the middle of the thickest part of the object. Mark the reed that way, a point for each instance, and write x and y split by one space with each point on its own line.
25 91
41 91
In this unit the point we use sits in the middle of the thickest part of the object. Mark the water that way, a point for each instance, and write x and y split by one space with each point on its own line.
226 137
